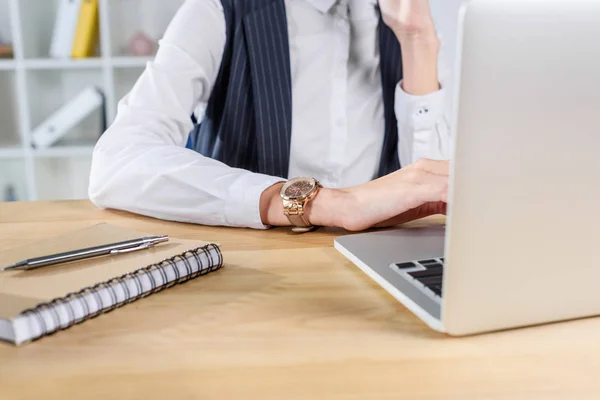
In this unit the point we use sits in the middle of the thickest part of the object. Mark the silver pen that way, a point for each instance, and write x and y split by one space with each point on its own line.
90 252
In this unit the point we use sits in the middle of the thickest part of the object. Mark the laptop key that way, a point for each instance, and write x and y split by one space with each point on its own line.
434 265
437 271
406 265
431 281
425 262
436 289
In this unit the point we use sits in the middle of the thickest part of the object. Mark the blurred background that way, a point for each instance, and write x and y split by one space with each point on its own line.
64 65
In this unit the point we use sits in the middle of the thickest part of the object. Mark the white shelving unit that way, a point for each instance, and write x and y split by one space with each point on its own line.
33 86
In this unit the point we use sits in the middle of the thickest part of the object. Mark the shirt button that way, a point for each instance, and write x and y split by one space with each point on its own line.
423 110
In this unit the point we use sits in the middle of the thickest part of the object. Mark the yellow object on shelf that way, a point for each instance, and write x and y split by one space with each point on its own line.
86 35
6 51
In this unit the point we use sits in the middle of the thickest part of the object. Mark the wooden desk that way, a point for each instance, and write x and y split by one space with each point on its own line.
287 318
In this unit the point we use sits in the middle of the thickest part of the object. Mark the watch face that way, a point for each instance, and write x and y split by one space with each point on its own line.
299 188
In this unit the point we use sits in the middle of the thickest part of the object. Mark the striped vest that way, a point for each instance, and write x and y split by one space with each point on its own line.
248 119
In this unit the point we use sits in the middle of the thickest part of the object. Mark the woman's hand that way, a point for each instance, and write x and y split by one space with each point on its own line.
413 192
408 19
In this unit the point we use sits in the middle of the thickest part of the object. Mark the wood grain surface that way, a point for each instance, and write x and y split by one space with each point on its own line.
287 318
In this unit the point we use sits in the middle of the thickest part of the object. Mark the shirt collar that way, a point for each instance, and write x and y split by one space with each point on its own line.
325 5
322 5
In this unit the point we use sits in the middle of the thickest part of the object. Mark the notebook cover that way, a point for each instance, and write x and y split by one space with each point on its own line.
20 290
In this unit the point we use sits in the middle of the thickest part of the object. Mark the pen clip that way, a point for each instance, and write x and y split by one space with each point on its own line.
140 247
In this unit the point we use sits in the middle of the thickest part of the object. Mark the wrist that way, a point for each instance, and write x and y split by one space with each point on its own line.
420 63
271 207
326 209
421 38
421 31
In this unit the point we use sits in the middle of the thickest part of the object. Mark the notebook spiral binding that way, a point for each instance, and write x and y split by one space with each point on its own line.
80 297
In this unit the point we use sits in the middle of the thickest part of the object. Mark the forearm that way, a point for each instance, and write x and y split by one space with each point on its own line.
173 183
420 54
271 207
421 104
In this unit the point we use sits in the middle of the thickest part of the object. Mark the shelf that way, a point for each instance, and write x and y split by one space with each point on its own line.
64 152
7 65
7 153
130 62
87 63
33 85
49 63
49 90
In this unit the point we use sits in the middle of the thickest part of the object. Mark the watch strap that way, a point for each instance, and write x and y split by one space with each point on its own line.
298 220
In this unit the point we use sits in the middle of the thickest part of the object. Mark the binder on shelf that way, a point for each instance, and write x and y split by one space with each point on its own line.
65 25
68 116
86 34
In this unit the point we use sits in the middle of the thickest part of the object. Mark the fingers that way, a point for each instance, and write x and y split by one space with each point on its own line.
435 190
426 210
433 166
403 194
415 185
430 188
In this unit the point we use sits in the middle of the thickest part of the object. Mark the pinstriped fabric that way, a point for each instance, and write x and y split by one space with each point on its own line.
239 129
391 75
248 120
207 137
270 64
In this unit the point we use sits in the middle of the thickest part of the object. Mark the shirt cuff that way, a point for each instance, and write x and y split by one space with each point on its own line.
243 206
419 112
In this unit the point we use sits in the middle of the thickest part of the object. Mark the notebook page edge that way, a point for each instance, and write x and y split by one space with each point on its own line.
7 331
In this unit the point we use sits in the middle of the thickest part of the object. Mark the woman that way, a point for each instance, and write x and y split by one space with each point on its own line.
345 92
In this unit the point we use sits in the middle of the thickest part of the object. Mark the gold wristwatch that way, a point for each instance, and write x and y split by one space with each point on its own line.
296 195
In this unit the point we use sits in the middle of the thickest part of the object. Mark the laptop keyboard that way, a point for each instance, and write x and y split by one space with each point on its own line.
426 274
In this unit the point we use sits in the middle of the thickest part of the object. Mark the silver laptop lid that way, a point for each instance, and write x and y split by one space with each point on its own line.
525 224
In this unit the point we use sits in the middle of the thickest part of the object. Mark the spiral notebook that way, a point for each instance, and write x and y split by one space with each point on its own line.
40 302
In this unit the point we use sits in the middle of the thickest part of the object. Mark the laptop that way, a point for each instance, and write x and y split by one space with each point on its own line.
518 247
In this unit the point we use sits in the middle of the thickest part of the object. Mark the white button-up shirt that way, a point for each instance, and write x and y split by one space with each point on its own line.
141 165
